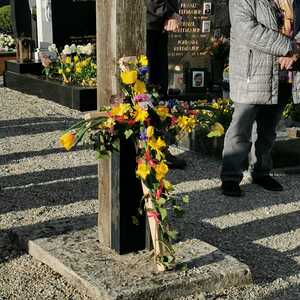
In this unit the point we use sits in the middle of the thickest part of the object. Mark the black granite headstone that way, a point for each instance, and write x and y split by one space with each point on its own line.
202 19
21 18
73 21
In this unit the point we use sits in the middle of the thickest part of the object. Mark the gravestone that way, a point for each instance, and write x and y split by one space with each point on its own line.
190 69
65 22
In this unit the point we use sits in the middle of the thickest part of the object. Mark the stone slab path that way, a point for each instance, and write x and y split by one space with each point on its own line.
41 183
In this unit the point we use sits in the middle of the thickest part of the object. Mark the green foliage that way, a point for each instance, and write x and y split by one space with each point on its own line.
292 111
5 19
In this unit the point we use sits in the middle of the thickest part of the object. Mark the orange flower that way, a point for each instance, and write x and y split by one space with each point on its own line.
68 140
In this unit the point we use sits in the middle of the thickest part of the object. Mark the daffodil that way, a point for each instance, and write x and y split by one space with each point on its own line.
68 140
161 171
76 58
120 109
143 60
163 112
143 170
129 77
140 114
150 131
68 70
139 88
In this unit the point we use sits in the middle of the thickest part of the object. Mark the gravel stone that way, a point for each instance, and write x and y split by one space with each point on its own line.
40 182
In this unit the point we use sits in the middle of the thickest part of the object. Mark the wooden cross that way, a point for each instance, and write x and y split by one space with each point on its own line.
121 31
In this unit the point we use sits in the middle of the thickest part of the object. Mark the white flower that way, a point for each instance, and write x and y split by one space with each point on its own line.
52 48
86 49
73 48
67 50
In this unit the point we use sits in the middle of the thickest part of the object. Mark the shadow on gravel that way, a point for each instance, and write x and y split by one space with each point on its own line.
15 246
48 125
266 264
291 293
34 121
47 176
12 157
75 184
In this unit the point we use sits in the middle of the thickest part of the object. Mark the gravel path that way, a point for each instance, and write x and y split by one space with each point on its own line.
40 183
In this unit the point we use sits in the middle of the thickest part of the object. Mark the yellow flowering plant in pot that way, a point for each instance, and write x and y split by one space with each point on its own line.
141 117
74 65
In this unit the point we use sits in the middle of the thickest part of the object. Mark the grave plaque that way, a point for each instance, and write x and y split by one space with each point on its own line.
190 68
66 22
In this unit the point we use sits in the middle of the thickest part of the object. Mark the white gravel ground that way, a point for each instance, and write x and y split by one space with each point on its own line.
40 183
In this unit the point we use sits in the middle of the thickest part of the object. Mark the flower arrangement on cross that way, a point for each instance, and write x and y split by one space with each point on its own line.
147 121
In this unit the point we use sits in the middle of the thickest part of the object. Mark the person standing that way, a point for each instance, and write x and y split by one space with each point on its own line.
263 49
162 17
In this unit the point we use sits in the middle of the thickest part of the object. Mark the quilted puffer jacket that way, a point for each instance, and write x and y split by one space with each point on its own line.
256 45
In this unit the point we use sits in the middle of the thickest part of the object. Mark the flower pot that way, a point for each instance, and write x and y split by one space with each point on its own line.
4 56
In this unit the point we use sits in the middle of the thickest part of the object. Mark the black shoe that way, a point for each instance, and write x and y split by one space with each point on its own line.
268 183
232 189
174 162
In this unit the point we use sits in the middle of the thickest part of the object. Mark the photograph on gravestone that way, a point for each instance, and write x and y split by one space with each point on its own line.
73 21
188 47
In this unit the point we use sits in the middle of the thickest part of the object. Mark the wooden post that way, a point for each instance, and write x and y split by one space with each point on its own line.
121 30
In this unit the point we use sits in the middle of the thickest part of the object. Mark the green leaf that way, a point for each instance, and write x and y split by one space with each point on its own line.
186 199
179 212
163 213
172 234
128 133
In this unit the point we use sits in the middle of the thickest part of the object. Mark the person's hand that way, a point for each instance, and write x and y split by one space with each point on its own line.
173 23
286 63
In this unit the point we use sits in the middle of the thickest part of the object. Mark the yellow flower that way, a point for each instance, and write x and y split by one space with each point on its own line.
120 109
139 87
186 123
163 112
140 114
129 77
85 62
68 140
216 130
68 70
68 60
109 123
76 58
168 185
78 68
60 71
161 171
143 60
143 171
150 131
157 145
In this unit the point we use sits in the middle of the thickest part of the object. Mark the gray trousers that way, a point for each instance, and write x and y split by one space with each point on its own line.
252 134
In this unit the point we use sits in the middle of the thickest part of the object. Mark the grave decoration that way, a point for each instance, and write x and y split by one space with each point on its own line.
140 116
75 65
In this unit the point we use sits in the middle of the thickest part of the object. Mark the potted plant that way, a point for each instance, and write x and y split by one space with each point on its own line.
7 50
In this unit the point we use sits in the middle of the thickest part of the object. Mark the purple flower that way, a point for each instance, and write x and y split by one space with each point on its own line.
143 71
143 136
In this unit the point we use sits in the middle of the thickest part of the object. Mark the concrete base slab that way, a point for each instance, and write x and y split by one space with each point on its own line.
73 251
